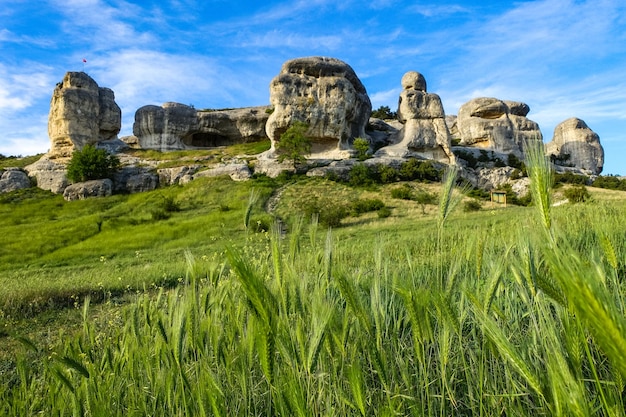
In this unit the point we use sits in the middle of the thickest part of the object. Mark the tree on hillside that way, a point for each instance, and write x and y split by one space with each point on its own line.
294 145
91 163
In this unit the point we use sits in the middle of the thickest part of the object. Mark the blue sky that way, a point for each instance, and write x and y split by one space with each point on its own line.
564 58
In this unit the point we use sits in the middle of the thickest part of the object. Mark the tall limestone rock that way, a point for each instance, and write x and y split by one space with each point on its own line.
81 113
498 125
178 126
326 94
424 133
575 144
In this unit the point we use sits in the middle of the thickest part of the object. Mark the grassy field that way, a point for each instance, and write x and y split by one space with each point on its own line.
164 303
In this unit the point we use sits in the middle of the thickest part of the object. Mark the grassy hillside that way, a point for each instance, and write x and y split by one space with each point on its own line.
516 311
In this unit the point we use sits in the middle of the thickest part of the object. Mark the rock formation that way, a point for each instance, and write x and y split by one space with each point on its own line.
12 179
48 174
502 126
81 113
93 188
178 126
575 144
326 94
424 133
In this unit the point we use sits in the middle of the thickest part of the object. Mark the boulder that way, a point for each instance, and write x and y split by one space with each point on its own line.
49 175
12 179
575 144
93 188
424 133
134 179
502 126
326 94
178 126
81 113
236 171
176 175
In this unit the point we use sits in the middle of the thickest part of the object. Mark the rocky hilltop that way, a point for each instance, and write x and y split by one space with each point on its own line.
327 95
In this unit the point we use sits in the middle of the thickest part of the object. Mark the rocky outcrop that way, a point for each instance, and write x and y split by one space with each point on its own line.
424 133
178 126
324 93
48 174
81 113
502 126
574 144
83 190
12 179
134 179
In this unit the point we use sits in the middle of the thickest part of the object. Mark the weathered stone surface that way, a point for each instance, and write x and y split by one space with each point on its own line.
133 179
494 124
425 133
326 94
48 174
81 113
93 188
236 171
178 126
177 175
12 179
575 144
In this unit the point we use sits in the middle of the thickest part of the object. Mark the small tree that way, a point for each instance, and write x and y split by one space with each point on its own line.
362 147
91 163
294 145
384 112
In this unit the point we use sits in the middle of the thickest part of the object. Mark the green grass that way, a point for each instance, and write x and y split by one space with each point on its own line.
516 311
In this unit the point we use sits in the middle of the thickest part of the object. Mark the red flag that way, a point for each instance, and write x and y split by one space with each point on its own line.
84 61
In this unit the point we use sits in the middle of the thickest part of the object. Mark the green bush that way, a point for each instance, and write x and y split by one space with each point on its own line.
577 194
387 174
610 182
91 163
366 205
570 178
384 212
471 205
362 175
362 147
329 212
419 170
402 193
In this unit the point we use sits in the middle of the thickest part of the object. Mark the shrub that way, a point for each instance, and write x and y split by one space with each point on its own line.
471 205
362 147
415 169
329 212
424 197
387 174
362 176
610 182
91 163
570 178
384 212
367 205
402 193
577 194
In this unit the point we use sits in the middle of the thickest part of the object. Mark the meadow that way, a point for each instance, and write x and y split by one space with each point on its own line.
191 301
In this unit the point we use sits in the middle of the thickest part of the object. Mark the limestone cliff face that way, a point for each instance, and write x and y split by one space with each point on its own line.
326 94
424 133
81 113
575 144
502 126
178 126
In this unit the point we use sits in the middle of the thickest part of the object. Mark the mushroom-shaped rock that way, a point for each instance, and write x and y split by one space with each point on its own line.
502 126
81 113
424 133
575 144
326 94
